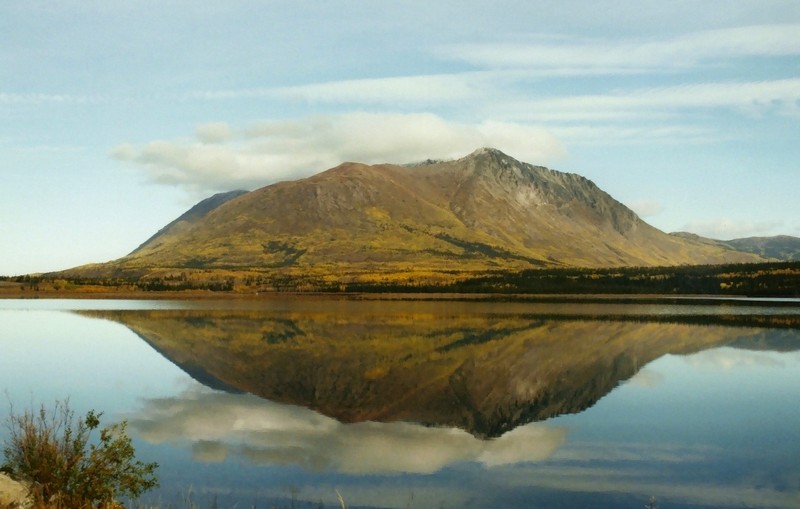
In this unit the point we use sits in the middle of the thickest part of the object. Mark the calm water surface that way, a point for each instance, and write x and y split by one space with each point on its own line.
430 404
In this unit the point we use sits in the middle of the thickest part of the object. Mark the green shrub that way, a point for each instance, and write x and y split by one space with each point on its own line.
55 454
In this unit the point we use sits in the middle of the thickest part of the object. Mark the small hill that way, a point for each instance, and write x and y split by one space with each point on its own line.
780 247
484 212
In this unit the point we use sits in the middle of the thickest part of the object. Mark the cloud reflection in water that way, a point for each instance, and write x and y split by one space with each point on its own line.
219 425
726 359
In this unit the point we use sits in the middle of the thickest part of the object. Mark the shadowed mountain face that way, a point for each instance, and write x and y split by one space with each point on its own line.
486 211
483 368
191 216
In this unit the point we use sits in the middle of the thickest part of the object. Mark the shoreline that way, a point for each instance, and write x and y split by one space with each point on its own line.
7 293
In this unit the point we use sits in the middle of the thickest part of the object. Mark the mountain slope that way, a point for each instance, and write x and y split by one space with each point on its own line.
191 216
486 211
781 247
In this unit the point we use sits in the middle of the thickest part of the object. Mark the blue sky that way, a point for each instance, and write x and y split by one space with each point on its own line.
115 117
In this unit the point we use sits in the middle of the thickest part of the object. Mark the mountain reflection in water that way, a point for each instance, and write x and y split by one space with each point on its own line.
481 369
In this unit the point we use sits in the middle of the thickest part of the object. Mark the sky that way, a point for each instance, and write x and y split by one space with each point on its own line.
117 116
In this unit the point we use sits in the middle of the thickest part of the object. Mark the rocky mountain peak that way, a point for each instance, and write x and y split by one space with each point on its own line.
487 157
485 151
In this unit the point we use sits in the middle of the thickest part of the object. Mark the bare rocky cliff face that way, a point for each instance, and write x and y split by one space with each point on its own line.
486 211
532 207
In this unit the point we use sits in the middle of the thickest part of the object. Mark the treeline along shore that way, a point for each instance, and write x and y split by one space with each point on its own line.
779 279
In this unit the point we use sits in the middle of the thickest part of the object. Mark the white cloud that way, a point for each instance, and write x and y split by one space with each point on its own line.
636 474
645 55
218 425
638 451
606 133
49 99
286 149
753 98
646 208
727 359
197 166
646 378
407 89
510 95
214 132
513 85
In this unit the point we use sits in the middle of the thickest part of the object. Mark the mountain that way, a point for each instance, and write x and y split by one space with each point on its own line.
484 212
191 216
780 247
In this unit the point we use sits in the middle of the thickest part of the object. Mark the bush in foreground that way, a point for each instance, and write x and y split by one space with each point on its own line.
53 452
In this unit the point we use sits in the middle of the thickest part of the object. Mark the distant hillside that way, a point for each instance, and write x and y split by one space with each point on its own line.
484 212
780 247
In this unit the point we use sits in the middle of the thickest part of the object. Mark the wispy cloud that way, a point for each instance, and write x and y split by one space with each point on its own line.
614 133
635 473
223 158
521 82
675 453
646 378
641 55
416 89
646 208
47 149
214 132
11 98
758 97
509 95
727 359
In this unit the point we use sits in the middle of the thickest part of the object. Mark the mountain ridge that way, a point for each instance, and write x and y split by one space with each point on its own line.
779 247
195 213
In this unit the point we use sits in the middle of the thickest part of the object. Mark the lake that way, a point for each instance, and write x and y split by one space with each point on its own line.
289 402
